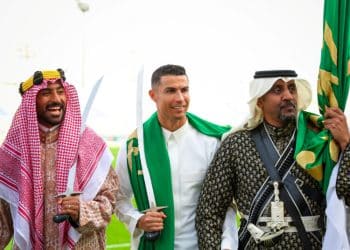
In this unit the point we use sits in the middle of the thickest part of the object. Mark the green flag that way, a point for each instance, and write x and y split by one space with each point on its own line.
316 151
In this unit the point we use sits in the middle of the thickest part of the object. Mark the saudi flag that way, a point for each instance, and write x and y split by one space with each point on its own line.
317 152
333 82
333 88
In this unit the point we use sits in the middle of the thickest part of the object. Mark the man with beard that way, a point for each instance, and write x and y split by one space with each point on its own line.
36 159
281 204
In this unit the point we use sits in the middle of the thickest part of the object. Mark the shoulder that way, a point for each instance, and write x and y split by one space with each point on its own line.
90 139
238 136
89 132
236 141
201 136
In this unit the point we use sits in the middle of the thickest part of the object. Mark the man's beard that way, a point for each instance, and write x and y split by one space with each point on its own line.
288 118
45 118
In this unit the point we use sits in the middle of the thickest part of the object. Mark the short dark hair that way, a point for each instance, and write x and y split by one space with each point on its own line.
169 69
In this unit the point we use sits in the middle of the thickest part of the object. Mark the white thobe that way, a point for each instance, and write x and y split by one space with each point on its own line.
336 234
190 154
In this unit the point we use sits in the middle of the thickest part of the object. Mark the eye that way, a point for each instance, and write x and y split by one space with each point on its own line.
292 88
185 90
60 91
170 90
44 93
276 90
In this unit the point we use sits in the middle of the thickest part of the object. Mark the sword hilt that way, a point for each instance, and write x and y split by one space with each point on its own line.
152 236
58 218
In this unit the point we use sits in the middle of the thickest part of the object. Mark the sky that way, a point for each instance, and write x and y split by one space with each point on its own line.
221 43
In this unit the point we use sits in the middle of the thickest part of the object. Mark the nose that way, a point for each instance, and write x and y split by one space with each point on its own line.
179 96
287 95
55 96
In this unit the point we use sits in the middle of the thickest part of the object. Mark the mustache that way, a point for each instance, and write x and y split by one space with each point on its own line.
287 104
55 104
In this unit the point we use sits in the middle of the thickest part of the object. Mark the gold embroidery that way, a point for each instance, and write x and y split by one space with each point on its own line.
139 172
325 79
328 38
305 157
130 155
334 150
135 150
316 172
314 119
132 151
133 135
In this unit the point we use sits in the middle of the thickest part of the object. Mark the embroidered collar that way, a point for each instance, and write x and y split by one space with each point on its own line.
48 135
280 136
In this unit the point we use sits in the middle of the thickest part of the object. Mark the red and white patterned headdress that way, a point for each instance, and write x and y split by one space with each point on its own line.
21 182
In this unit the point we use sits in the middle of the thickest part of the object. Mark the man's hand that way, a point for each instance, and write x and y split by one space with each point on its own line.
335 122
151 221
70 205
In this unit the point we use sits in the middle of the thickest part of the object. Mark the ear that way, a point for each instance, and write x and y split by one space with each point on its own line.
152 94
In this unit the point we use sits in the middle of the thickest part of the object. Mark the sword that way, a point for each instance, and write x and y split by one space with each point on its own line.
146 176
72 171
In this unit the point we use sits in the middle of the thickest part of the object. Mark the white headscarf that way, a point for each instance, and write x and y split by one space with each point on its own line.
259 87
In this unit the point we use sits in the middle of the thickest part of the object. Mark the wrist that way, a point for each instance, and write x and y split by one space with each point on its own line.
139 222
344 145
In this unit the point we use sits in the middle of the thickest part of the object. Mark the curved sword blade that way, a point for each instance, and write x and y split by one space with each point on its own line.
139 106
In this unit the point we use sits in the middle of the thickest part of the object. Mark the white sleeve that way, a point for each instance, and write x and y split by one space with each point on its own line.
125 211
336 235
229 238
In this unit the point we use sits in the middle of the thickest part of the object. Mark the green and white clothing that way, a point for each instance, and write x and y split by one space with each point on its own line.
189 153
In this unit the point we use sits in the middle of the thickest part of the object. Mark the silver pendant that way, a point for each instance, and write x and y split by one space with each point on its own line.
277 211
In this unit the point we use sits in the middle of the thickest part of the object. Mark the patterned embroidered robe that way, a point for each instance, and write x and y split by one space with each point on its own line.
94 215
237 172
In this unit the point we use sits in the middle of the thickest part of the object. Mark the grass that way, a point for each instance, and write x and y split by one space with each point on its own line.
117 235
